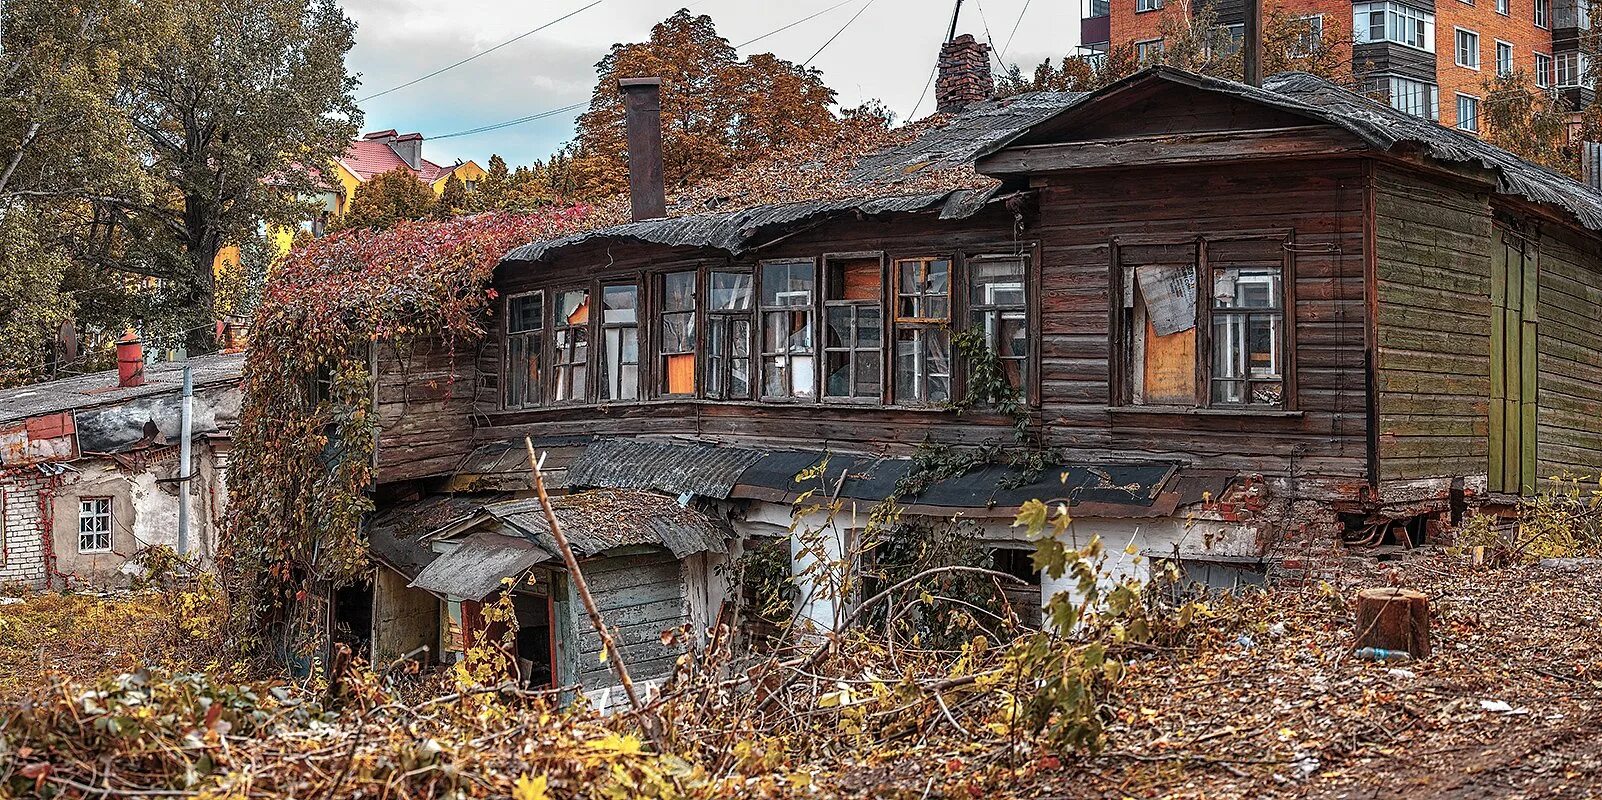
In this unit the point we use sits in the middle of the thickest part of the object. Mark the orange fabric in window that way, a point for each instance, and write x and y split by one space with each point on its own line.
681 374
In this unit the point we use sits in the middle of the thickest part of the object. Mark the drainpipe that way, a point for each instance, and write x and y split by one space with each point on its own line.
187 422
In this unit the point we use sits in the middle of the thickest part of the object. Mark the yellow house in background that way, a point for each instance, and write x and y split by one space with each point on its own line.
373 154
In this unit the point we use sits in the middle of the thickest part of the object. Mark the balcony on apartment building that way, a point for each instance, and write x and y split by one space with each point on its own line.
1095 25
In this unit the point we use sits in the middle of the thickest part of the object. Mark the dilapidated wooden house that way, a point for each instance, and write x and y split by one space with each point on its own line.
1245 325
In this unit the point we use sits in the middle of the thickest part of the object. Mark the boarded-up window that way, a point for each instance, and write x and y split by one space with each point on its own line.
677 335
854 327
1160 312
728 336
525 321
787 349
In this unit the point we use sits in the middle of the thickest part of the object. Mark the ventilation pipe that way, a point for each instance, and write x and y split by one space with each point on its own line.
642 109
130 361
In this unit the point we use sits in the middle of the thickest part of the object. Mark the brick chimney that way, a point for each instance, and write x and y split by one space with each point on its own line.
642 110
130 361
964 75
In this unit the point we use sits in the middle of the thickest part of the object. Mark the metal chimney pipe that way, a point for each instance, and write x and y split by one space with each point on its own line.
130 361
1252 46
642 109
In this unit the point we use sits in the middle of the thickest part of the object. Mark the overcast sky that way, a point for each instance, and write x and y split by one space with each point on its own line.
887 54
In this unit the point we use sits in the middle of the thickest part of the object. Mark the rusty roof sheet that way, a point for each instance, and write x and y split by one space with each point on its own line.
476 567
98 389
676 467
607 519
396 535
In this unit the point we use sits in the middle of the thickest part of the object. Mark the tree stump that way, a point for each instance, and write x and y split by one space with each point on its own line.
1394 619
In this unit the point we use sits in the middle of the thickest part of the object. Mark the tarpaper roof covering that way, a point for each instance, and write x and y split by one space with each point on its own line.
702 469
98 389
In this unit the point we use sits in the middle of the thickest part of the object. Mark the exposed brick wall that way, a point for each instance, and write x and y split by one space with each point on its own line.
964 76
25 497
1517 28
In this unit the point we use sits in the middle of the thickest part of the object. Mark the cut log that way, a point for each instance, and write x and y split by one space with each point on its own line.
1394 619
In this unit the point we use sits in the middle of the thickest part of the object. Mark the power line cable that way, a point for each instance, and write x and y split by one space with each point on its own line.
483 53
793 24
1015 26
838 32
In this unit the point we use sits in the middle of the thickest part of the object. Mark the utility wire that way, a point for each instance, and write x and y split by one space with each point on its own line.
793 24
482 53
838 32
1015 25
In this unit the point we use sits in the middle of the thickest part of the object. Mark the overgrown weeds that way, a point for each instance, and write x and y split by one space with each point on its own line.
1562 520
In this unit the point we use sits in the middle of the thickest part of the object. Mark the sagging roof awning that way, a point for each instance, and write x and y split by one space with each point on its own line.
475 569
397 535
1110 489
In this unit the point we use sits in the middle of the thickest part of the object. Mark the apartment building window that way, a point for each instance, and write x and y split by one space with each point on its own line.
922 331
1149 51
1571 70
1310 36
1394 22
94 525
1504 59
525 322
1501 7
1543 70
570 344
1148 5
620 342
787 344
676 334
853 308
1098 8
1468 49
1468 113
1543 13
1414 97
998 307
728 336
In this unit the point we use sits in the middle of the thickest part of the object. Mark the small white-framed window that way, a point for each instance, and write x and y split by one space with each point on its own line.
1394 22
1142 6
1468 113
1543 13
1571 70
1468 48
1501 7
1504 58
1310 36
1415 97
1149 51
1543 70
94 525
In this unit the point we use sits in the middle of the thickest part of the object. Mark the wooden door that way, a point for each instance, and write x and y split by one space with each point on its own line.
1514 278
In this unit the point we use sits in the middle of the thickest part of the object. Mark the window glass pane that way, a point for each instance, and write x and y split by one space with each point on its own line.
620 304
678 333
1246 287
730 291
740 359
922 289
996 282
923 366
717 341
524 313
787 284
678 291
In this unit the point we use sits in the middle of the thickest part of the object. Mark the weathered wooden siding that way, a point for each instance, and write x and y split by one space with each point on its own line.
1433 249
425 407
640 595
1569 344
1321 201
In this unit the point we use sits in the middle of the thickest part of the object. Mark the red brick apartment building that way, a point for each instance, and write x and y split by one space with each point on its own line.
1431 56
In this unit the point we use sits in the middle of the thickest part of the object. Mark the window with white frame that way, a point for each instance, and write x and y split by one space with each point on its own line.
1394 22
1543 13
1309 36
1543 70
1468 113
1501 7
1468 49
1414 97
94 525
1504 59
1571 70
1149 51
1148 5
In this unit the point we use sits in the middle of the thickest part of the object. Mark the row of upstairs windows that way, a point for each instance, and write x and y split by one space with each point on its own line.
858 331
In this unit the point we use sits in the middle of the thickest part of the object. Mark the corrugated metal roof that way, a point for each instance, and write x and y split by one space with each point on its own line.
678 468
607 519
395 535
959 141
476 567
98 389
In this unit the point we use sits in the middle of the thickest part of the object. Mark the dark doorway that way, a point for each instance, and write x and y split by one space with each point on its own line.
534 637
353 618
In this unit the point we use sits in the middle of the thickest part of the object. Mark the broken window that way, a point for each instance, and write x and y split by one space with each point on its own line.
1247 317
923 335
1160 301
620 340
525 316
997 305
728 336
854 327
571 343
94 525
787 354
677 335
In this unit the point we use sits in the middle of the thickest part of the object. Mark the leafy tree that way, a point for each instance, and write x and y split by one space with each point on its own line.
32 270
1528 121
716 109
453 200
388 198
236 101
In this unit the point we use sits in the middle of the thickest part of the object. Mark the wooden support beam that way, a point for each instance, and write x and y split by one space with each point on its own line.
1313 140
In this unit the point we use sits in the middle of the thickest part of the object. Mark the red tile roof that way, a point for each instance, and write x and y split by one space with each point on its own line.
372 155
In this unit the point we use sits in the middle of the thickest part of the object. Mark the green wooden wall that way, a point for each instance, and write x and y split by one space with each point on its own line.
1569 345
